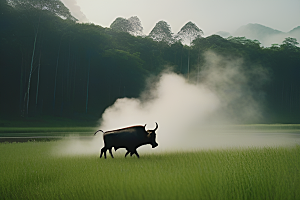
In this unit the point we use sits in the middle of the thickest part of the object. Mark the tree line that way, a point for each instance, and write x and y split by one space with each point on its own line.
51 65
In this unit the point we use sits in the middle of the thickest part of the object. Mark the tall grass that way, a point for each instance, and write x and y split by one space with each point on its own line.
31 171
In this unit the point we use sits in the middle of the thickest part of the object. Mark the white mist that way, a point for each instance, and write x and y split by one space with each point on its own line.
190 115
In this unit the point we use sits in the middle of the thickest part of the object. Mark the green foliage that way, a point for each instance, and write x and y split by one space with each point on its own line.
290 43
121 24
136 25
162 32
244 41
54 6
189 32
132 25
33 171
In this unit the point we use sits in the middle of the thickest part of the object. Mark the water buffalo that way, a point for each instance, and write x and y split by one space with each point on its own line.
129 138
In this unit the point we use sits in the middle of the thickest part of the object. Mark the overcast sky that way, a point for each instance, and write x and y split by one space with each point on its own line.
209 15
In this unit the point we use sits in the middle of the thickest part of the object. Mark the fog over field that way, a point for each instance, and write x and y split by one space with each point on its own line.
198 113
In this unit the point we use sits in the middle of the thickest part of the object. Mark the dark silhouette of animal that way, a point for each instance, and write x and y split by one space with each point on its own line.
129 138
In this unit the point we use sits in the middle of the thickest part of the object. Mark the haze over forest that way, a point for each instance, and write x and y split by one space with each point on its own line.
210 16
53 66
251 19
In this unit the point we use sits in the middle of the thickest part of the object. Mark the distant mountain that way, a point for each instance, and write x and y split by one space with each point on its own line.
295 32
256 31
266 35
223 34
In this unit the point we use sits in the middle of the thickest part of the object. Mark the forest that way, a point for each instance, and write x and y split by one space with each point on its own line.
52 66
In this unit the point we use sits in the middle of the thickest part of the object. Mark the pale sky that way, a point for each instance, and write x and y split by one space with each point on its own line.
209 15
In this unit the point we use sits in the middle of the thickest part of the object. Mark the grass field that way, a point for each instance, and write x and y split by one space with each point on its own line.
45 131
31 171
16 131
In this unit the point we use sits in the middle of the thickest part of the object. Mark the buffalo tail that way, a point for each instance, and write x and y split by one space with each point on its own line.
98 131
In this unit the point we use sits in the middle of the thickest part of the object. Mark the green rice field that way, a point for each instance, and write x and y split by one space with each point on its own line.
32 171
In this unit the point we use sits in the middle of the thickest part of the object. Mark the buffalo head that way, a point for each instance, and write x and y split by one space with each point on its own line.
152 135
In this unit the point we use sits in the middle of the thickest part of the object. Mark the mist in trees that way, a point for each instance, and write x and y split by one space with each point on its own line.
162 32
133 25
54 6
188 33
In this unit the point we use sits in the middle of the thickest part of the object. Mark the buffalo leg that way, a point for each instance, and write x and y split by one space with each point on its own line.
127 153
136 153
111 153
103 151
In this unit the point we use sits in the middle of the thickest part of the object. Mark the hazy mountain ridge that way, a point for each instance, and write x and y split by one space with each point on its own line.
295 29
256 29
160 32
295 32
266 35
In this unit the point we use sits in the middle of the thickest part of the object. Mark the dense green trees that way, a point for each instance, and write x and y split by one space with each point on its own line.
121 24
284 89
162 32
54 6
132 25
54 66
188 33
281 92
61 68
